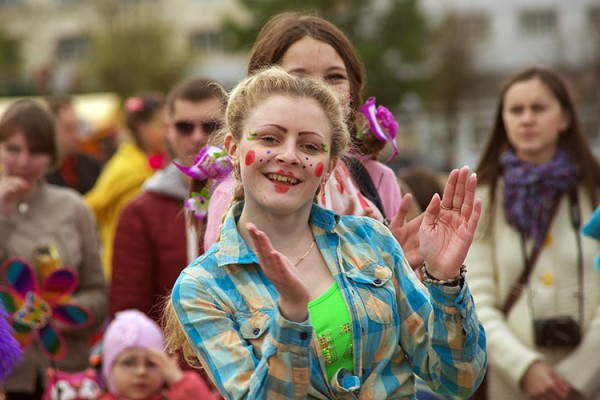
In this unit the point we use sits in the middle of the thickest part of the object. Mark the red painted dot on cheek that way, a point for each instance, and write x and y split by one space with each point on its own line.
319 169
250 157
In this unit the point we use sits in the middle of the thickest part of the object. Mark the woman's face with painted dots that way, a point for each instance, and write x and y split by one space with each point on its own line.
283 153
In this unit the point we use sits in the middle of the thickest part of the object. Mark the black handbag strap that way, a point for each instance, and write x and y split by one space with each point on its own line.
530 261
365 184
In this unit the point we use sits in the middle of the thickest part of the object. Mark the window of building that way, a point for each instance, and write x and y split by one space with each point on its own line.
68 3
474 26
538 22
71 48
206 41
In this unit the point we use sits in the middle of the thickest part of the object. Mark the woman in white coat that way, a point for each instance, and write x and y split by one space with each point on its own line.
538 178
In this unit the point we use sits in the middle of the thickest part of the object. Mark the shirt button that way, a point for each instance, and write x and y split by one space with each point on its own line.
303 335
256 331
377 281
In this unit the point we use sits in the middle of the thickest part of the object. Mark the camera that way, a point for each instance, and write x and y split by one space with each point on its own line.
557 332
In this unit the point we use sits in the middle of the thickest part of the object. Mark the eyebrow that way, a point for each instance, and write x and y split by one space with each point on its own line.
285 130
328 70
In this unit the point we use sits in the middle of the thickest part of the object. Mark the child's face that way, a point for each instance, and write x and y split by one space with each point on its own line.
135 376
284 153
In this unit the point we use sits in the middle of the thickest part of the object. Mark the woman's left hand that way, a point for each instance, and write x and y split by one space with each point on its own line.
449 225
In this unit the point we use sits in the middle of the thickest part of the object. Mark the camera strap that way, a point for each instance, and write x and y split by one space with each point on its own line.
530 261
576 222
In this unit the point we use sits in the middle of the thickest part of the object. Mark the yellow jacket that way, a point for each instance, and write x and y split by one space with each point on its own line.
120 181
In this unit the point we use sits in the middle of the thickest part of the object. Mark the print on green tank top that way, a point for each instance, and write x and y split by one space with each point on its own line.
331 321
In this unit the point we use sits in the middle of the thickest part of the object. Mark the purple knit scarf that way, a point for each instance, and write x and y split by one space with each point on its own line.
530 190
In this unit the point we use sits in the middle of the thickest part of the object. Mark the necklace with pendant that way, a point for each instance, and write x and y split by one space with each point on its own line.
23 208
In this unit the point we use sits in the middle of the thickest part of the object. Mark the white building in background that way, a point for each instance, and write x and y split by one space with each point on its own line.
505 36
509 34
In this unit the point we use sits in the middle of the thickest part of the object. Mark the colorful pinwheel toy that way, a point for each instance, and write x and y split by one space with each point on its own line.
33 310
382 123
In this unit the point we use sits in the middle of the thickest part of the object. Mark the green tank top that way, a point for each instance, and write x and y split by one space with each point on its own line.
332 324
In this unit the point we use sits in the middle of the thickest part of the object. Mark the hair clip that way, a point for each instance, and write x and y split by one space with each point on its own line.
382 123
134 104
211 162
198 203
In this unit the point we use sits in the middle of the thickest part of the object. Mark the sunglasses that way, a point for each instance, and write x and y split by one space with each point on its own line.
187 127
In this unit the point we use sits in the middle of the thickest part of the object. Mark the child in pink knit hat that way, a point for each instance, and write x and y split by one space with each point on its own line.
135 366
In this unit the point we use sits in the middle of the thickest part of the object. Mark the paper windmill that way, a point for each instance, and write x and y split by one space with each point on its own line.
33 309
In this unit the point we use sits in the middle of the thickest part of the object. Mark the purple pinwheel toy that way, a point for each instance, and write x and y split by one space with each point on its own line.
592 229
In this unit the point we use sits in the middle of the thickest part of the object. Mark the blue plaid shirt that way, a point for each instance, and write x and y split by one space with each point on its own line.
228 310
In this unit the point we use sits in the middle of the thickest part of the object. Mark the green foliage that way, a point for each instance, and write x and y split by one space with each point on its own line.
131 53
453 72
10 64
390 40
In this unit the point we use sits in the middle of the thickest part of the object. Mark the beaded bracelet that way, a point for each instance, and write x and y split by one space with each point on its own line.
446 282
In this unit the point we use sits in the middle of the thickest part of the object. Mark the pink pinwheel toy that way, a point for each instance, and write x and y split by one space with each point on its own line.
33 310
592 229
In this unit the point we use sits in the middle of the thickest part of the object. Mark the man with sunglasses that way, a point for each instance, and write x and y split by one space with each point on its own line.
154 241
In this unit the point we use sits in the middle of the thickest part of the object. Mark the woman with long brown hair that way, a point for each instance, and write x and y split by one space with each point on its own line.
533 281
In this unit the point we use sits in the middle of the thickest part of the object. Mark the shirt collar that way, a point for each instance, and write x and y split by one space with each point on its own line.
234 250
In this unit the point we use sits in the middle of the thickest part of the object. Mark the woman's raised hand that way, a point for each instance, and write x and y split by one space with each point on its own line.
12 189
293 294
449 225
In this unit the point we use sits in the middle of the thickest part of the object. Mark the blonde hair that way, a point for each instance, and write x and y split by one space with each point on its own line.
243 99
175 339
